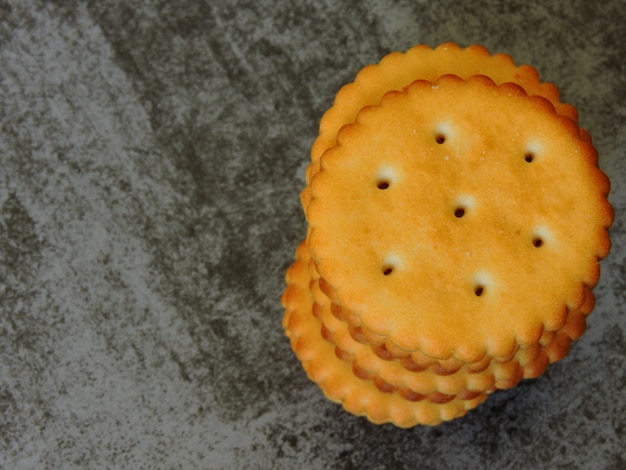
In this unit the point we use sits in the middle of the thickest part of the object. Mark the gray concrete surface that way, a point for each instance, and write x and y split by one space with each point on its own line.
151 157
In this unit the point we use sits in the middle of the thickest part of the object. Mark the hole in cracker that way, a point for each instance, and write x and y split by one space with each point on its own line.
385 177
541 235
533 148
463 204
481 281
442 132
390 264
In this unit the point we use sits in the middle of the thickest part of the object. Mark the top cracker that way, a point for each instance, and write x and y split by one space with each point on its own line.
459 217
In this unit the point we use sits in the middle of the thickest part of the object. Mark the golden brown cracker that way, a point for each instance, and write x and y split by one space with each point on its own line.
440 222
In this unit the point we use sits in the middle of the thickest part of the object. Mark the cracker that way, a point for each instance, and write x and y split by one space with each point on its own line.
459 218
397 70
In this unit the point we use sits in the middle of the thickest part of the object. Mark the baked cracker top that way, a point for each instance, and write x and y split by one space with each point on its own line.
460 218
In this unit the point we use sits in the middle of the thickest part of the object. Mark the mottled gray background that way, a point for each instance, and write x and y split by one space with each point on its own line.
151 158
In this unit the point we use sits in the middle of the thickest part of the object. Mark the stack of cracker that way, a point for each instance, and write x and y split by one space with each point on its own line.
457 216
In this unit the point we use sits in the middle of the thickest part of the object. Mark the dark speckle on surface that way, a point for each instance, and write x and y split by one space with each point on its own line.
151 160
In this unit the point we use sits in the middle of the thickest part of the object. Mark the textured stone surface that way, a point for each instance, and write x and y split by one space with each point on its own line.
151 156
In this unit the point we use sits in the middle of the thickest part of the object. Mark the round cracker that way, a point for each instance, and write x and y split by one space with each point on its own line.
459 218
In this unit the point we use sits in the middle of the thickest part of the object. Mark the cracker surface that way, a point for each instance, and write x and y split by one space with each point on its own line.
440 222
